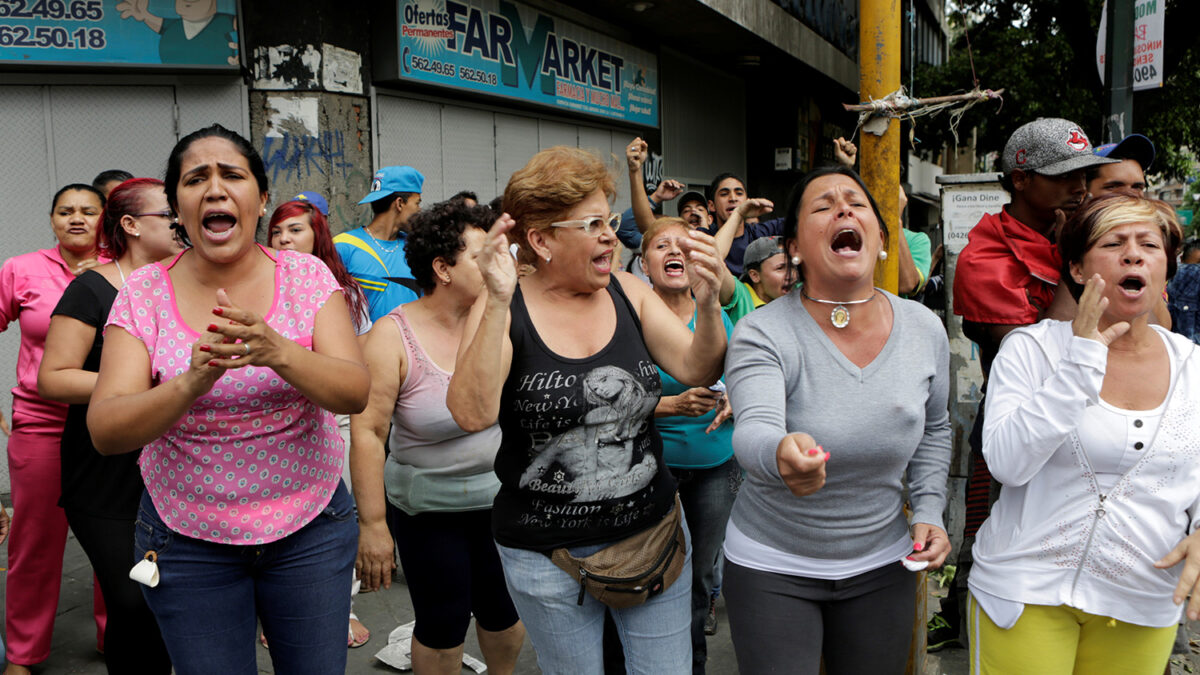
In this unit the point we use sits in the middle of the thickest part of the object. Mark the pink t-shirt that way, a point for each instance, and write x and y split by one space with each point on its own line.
253 460
30 287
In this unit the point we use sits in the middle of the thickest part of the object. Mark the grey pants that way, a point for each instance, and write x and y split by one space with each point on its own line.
785 624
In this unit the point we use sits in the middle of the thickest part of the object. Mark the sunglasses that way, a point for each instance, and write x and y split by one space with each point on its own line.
593 225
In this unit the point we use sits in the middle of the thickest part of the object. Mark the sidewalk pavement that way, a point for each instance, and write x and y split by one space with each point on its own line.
74 647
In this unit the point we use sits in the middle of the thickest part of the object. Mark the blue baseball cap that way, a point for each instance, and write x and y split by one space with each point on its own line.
391 179
315 199
1134 146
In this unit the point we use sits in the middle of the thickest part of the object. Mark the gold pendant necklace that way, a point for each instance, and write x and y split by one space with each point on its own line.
840 316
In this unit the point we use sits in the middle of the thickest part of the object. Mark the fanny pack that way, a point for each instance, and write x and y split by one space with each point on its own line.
633 570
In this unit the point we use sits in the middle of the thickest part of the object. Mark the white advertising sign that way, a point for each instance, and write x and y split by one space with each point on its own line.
1147 43
963 206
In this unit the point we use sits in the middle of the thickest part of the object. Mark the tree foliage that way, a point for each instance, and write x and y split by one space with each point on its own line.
1043 53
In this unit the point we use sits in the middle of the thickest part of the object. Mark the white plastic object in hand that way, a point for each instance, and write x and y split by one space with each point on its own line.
914 565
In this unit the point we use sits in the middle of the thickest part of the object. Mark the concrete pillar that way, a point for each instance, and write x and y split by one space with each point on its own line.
310 113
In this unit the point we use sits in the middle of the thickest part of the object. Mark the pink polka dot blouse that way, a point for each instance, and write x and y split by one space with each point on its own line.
253 460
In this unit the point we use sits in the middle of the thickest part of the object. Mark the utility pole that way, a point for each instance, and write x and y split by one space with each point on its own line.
879 47
1118 70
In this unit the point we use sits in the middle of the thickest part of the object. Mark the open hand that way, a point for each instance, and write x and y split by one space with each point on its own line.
754 208
376 560
246 340
137 10
801 463
1092 304
667 190
85 265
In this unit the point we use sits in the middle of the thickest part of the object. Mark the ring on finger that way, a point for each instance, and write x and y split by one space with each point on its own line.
246 347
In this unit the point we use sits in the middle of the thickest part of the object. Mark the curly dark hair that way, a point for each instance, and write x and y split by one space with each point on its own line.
437 232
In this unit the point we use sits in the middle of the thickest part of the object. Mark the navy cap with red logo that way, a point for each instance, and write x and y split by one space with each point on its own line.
1050 146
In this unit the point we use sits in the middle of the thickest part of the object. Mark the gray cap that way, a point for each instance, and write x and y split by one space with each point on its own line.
1049 146
759 250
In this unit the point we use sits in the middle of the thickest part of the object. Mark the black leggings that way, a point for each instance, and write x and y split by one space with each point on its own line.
453 571
132 643
785 624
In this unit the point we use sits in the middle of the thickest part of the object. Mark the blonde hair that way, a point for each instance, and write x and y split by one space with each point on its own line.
553 182
659 225
1100 215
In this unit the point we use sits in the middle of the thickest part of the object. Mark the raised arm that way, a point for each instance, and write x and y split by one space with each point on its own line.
485 355
385 359
635 157
751 208
694 359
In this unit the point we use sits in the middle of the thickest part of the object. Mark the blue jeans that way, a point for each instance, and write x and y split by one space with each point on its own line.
568 637
209 594
707 497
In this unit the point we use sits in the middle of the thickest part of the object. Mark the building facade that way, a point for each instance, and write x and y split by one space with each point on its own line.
464 90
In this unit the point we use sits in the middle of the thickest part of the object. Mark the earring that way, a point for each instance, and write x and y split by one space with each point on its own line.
883 255
795 260
547 257
445 282
137 234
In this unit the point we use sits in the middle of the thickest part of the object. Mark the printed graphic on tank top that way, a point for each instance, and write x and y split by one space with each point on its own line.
581 460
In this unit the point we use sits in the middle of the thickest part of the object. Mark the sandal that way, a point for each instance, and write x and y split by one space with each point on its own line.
352 641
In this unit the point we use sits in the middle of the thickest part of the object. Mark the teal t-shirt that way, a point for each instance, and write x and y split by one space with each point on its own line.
685 445
922 254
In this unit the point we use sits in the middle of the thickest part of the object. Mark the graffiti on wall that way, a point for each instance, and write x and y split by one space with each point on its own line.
290 157
652 172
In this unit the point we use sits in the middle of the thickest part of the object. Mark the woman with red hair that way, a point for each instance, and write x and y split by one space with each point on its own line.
299 226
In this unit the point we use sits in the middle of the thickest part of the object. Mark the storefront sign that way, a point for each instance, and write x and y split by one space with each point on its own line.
185 33
508 49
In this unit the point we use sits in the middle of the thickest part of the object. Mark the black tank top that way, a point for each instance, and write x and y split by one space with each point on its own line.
580 461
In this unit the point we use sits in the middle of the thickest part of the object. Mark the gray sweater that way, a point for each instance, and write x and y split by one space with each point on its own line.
784 375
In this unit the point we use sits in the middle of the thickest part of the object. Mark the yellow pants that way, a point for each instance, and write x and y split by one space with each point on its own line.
1064 641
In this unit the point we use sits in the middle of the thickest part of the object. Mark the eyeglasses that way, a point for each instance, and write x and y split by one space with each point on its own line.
161 214
593 225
